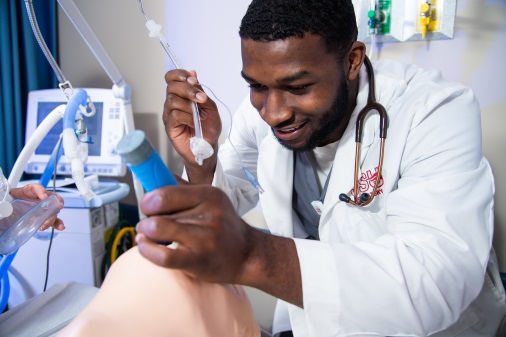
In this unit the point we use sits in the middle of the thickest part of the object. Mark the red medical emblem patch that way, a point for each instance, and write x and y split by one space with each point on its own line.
367 181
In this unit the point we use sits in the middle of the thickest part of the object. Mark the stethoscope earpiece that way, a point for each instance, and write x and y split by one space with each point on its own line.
344 198
364 197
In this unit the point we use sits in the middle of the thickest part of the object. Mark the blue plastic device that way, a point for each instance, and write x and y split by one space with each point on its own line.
144 162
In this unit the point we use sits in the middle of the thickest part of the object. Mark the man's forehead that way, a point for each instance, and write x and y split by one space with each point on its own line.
307 39
293 57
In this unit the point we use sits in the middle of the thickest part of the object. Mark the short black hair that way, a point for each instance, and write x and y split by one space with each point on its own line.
271 20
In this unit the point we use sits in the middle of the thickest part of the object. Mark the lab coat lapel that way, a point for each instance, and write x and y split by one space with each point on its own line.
275 170
343 170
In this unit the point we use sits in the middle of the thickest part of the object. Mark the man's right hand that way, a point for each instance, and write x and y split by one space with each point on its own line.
182 90
214 243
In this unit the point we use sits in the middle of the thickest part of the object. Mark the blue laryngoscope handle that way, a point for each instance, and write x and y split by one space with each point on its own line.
144 162
153 173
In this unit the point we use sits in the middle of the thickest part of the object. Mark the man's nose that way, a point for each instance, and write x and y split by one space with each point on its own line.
275 109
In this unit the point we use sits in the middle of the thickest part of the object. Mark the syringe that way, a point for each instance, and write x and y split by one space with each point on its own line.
198 145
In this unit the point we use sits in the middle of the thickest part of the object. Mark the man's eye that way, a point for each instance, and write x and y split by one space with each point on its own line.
257 86
297 88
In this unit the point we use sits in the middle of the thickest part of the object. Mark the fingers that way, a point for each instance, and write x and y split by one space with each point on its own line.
30 191
34 191
177 111
162 255
37 191
181 75
181 181
58 224
60 199
162 228
172 199
182 90
184 84
54 222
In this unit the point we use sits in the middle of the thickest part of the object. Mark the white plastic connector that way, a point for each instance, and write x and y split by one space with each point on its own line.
78 176
154 28
201 149
89 105
122 91
77 154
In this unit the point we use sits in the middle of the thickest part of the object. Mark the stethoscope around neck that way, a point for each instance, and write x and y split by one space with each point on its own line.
365 199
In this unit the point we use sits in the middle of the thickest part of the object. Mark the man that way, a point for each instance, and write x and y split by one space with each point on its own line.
416 261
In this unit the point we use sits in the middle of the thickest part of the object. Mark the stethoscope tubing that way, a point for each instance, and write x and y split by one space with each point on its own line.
372 105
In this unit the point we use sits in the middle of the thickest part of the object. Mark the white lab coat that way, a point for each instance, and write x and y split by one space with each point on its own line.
411 262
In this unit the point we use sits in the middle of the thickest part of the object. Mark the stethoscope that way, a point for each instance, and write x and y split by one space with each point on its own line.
365 199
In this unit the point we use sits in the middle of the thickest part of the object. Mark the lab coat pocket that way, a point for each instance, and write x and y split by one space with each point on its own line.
365 225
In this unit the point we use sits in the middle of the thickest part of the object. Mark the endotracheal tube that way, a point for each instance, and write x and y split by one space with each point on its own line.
199 147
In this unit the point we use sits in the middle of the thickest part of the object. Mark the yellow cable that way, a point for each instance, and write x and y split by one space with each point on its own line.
121 233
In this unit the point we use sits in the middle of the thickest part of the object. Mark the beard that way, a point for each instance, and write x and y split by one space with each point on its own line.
329 121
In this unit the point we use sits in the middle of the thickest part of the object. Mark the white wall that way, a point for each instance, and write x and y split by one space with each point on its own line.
203 35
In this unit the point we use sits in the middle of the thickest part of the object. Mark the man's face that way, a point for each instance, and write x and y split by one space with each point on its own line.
299 89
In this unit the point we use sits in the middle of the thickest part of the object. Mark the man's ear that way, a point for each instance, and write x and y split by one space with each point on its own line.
355 59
